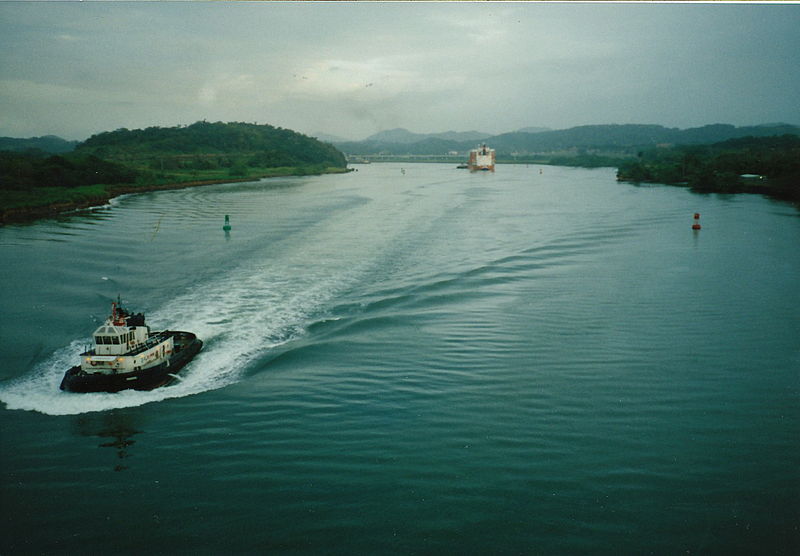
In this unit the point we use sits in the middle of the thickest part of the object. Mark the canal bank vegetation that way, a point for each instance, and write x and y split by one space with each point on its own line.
34 183
768 165
587 161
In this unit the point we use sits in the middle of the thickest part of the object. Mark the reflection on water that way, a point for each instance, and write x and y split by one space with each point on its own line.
117 428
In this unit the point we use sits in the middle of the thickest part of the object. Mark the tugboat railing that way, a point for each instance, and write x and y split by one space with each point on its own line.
152 341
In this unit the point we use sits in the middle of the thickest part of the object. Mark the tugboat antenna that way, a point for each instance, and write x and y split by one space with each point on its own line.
116 318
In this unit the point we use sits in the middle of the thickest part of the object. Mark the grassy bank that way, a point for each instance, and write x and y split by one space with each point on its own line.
44 202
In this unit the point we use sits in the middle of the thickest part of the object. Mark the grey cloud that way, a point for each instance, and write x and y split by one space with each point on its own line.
352 69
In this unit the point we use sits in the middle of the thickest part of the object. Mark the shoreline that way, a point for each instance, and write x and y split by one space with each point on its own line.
23 215
766 189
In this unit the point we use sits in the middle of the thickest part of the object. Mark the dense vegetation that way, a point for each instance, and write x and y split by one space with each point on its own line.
107 164
24 171
205 145
755 164
586 161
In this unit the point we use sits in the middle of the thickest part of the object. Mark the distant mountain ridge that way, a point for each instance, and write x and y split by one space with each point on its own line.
46 143
528 140
610 137
403 136
630 136
328 138
534 129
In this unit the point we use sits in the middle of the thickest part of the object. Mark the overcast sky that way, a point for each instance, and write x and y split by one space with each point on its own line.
352 69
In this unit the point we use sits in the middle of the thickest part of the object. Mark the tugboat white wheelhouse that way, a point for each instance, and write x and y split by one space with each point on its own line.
126 355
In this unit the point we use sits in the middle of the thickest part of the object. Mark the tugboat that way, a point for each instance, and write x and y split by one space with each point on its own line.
126 355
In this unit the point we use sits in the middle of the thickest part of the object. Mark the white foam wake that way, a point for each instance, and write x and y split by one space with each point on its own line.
264 301
239 319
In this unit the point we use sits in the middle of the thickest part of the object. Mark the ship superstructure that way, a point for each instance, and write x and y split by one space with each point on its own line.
481 159
124 343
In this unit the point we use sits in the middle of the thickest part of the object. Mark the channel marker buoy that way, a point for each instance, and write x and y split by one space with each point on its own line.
696 225
227 225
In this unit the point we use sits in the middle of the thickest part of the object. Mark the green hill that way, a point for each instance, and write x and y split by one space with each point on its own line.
205 145
33 184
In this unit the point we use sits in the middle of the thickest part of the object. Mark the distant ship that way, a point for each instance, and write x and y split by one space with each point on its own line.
127 355
481 159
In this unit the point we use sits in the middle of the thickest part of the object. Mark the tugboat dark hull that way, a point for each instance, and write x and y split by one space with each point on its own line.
187 345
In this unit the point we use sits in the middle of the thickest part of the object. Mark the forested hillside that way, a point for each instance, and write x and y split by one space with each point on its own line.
629 136
25 171
33 183
754 164
213 145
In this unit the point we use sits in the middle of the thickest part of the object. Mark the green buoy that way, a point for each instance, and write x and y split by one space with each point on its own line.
227 226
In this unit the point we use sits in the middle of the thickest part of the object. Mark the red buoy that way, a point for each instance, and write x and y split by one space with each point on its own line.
696 225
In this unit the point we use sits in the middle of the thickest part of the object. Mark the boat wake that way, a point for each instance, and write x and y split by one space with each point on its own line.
239 320
266 296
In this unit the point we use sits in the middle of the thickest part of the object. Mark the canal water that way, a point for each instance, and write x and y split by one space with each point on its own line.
412 360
